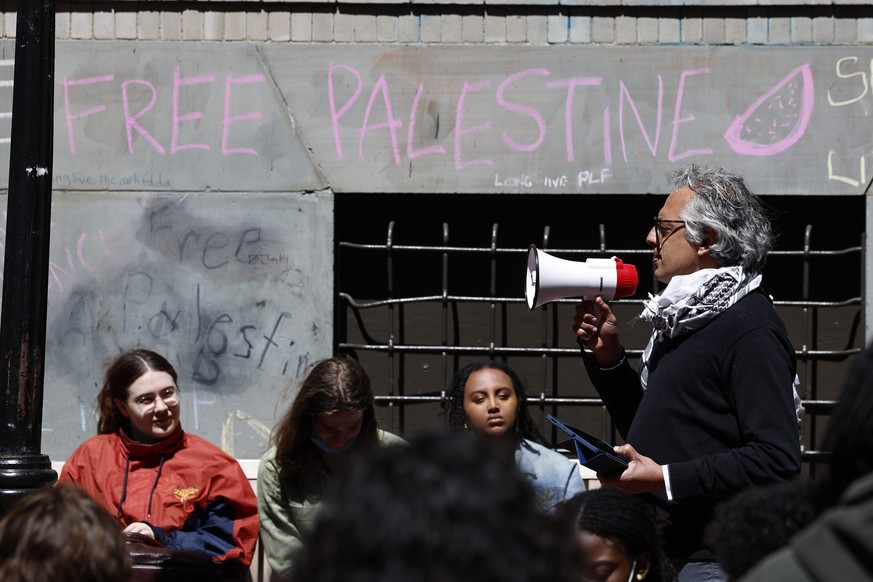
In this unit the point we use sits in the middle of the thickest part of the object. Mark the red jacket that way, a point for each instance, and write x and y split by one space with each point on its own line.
193 495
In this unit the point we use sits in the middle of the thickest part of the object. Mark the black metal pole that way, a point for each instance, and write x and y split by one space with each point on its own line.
25 273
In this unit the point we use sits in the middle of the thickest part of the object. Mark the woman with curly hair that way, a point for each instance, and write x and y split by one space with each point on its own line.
488 399
619 537
332 420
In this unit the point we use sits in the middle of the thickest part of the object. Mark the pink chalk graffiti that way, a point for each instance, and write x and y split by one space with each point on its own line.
461 131
677 120
229 120
624 95
64 273
391 124
571 85
70 116
178 119
130 121
410 133
800 119
336 115
524 110
133 120
607 138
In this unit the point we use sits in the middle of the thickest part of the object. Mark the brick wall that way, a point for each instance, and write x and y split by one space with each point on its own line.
534 22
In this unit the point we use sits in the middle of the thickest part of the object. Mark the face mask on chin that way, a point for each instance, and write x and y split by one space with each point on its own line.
322 446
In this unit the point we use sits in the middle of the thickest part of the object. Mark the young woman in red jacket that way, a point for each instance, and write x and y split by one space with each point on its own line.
157 479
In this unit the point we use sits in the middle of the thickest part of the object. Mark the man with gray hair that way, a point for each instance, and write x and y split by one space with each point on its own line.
714 406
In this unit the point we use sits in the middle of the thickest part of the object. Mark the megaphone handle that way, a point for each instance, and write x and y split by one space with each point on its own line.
598 314
604 338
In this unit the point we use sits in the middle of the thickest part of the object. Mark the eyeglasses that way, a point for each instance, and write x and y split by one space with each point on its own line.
147 402
662 233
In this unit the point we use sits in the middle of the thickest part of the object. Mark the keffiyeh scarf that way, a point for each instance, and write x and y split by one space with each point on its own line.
691 301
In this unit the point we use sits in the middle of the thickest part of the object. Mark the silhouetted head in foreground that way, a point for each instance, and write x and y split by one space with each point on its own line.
618 535
441 510
60 533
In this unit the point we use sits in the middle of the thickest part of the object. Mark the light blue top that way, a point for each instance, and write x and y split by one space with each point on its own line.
554 476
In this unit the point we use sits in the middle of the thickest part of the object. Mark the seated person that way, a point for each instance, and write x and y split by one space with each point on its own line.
489 400
444 508
332 420
618 535
158 480
60 533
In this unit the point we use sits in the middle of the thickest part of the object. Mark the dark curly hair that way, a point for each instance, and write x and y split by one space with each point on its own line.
624 519
454 407
442 509
758 521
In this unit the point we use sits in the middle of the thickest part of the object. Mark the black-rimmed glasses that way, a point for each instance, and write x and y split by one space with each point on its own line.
662 233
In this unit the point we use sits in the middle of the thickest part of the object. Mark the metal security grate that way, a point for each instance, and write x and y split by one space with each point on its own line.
413 343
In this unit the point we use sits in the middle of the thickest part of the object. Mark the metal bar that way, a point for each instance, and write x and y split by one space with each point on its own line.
502 350
602 250
480 299
395 372
542 400
492 286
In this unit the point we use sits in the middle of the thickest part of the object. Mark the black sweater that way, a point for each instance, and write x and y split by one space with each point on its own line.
718 409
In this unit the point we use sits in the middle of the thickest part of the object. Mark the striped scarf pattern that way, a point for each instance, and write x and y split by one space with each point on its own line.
691 301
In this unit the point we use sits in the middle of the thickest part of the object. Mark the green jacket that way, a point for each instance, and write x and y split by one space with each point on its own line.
287 515
837 546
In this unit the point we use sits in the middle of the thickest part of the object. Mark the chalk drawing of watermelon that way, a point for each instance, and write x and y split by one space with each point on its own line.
778 118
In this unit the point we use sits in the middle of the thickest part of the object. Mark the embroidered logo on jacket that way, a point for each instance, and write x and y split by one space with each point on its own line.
185 494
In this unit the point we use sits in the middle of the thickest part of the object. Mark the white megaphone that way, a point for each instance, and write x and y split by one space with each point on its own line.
550 278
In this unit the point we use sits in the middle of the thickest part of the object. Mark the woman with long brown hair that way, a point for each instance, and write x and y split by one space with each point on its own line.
332 419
